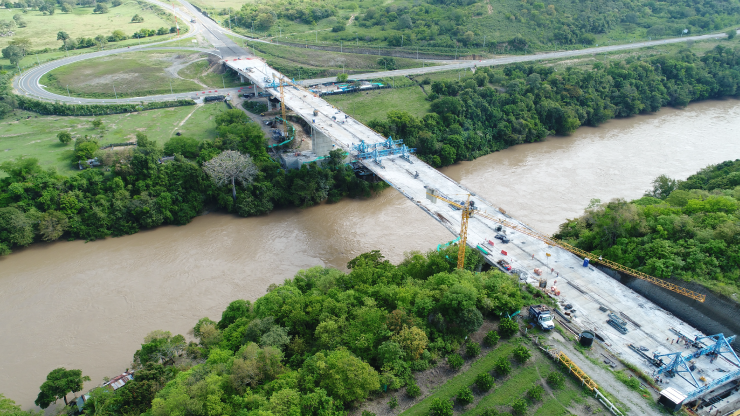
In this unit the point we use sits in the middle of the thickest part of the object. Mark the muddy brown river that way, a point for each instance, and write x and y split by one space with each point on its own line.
89 305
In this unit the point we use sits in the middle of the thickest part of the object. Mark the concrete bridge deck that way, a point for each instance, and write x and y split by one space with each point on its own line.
586 288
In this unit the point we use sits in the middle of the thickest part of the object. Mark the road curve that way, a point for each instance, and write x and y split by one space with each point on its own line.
28 83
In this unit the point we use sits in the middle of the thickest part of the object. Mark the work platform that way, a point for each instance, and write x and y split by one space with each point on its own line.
592 293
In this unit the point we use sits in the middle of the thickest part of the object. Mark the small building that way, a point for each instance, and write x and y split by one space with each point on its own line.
119 381
672 399
89 163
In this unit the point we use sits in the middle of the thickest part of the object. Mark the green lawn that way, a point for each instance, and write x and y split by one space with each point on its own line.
132 74
36 136
366 106
200 71
42 30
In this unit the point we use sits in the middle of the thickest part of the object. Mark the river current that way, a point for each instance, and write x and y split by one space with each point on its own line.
89 305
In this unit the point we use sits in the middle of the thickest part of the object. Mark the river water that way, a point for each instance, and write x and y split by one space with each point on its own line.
89 305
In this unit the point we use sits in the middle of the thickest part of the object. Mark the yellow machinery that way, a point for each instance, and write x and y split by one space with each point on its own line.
282 107
469 212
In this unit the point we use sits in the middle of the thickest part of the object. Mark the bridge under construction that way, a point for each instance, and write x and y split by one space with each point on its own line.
634 329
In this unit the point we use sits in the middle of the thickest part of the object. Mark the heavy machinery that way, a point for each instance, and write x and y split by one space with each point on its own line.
468 209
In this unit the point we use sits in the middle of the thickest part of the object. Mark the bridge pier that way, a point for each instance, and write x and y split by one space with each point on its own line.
321 144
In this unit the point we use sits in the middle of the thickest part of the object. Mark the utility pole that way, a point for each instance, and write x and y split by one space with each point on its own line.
417 52
68 94
341 46
252 26
171 87
222 81
484 41
114 91
402 41
456 51
37 59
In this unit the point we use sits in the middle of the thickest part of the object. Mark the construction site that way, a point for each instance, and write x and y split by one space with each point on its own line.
689 369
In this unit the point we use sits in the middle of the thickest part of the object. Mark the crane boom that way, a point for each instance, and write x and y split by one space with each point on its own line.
577 251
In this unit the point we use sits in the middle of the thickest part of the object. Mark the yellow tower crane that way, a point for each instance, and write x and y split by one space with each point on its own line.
282 107
468 211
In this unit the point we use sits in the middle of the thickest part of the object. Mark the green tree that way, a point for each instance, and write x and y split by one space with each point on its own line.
101 8
137 19
502 366
731 34
342 77
472 349
491 338
413 390
519 407
344 377
508 327
9 408
522 354
455 361
185 146
13 53
464 396
441 407
535 393
65 7
58 384
64 137
555 380
484 382
63 36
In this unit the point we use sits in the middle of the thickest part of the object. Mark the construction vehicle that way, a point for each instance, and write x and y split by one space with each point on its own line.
468 209
505 264
541 315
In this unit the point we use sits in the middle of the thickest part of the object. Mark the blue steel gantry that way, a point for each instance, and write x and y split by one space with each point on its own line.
679 364
388 147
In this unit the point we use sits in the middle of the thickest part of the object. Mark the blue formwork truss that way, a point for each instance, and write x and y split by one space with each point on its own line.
376 151
678 364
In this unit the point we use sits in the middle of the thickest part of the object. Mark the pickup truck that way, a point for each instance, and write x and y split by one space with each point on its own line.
542 316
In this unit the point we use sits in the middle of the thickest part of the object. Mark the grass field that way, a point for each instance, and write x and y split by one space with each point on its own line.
35 137
199 71
300 63
508 388
132 74
81 22
366 106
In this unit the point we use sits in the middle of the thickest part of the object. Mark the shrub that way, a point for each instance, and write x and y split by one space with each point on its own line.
522 354
137 19
472 349
64 137
519 406
491 338
413 390
508 327
731 34
455 361
393 403
97 123
342 77
441 407
464 397
502 366
535 393
484 382
555 380
185 146
368 413
489 411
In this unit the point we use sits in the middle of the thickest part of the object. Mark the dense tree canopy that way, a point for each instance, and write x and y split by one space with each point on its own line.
691 231
525 103
346 335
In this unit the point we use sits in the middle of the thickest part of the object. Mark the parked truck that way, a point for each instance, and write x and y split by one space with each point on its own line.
542 316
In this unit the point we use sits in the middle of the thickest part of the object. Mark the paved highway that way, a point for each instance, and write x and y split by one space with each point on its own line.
28 83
